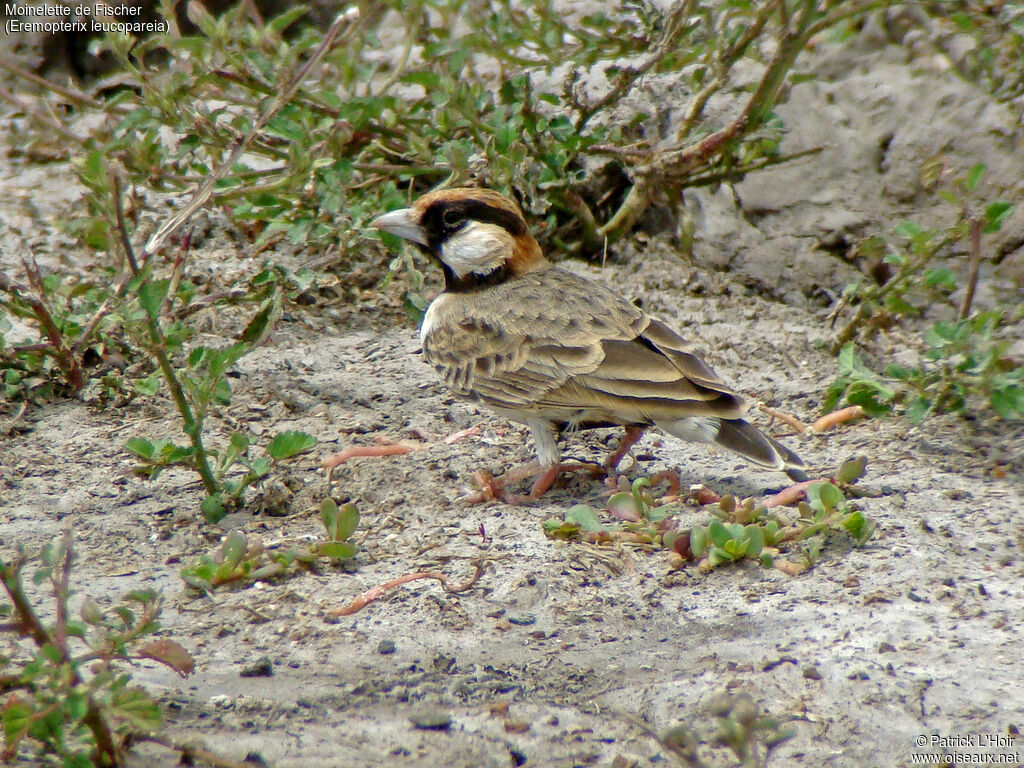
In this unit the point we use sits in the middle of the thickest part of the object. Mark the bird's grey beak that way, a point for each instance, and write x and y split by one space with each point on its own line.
401 224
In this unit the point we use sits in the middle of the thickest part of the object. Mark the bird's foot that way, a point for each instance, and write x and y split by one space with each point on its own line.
629 439
498 487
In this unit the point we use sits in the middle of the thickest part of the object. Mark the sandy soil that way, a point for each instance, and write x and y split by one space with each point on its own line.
592 648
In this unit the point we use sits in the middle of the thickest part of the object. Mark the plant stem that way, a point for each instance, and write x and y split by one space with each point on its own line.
30 625
65 357
192 426
671 166
975 267
240 144
897 284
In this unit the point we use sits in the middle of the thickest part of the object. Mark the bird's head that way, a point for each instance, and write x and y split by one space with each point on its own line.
479 236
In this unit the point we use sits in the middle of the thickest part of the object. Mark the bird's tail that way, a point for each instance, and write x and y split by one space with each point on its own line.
740 437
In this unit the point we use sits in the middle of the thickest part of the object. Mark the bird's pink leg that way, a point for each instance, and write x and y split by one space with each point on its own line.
544 482
497 487
629 439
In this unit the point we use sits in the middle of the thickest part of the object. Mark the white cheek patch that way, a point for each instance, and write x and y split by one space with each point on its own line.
477 248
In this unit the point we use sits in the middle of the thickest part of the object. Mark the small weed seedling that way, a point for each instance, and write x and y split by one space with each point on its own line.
738 727
241 559
76 709
962 361
738 530
643 522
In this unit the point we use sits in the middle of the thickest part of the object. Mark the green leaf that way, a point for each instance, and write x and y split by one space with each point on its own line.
859 527
560 529
847 359
900 305
918 409
337 550
221 392
281 22
871 396
1008 403
148 386
585 517
17 717
151 296
698 540
348 521
263 321
329 515
831 497
429 80
213 509
755 539
940 278
260 467
974 176
239 442
234 548
851 470
718 533
139 447
623 506
219 360
995 214
287 444
134 706
908 229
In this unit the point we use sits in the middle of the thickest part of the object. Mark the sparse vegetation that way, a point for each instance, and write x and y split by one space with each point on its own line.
959 362
737 530
241 559
68 707
320 159
290 138
739 726
307 136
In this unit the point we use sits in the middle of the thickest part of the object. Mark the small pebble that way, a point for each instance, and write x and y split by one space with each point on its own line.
384 647
263 667
431 721
523 620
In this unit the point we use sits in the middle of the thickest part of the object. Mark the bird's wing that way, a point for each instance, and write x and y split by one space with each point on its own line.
556 341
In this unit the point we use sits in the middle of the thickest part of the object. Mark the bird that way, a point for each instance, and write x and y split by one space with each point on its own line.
543 346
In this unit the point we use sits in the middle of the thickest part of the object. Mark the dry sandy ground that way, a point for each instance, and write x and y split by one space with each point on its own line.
916 634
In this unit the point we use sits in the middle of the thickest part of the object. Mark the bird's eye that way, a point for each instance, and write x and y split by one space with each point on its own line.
453 218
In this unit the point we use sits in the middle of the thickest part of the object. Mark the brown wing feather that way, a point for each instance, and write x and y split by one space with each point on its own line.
552 340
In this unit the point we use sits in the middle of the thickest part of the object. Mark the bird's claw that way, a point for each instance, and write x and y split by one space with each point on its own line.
497 488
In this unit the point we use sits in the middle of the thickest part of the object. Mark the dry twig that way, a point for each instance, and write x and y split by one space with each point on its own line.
375 593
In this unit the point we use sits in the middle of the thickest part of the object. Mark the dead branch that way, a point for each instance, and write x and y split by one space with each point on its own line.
834 418
375 593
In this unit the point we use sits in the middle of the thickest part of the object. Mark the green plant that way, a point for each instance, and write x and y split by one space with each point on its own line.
724 541
75 332
996 59
642 521
347 140
738 726
960 361
76 709
138 319
241 559
827 508
738 530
